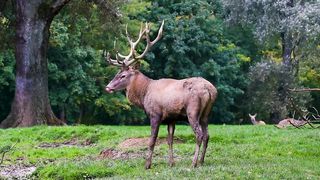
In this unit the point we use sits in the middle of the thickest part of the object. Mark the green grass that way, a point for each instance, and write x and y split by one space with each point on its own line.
234 152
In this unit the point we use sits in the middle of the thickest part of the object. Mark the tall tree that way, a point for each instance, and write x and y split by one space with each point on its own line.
31 101
295 22
289 25
33 19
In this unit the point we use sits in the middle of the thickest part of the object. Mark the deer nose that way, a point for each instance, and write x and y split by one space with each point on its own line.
109 90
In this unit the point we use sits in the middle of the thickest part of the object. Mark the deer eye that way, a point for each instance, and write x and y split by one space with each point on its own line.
122 76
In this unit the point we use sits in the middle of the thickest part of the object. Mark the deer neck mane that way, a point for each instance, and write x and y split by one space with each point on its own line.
138 88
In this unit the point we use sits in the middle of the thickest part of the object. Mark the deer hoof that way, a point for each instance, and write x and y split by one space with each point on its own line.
148 165
171 163
194 165
201 163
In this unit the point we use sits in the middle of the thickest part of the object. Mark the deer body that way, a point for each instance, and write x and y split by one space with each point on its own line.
256 122
290 122
164 100
169 96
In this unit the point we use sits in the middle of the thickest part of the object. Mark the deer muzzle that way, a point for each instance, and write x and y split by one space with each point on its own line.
109 90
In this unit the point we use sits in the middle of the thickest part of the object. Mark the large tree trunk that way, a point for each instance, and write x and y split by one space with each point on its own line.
31 101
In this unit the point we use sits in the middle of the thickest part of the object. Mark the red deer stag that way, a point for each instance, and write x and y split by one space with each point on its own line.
256 122
291 122
164 100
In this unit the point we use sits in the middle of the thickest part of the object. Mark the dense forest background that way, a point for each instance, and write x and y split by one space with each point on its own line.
255 53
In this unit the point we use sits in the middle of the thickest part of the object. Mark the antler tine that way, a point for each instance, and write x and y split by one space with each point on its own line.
127 34
120 61
141 32
123 57
104 53
315 117
159 34
132 46
149 44
119 58
131 57
113 61
306 115
316 111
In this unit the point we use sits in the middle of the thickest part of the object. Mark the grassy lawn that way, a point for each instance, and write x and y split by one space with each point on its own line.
234 152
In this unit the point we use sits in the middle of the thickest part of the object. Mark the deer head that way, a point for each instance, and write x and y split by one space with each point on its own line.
126 62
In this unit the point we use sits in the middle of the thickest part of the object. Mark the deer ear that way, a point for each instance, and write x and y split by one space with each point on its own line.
135 66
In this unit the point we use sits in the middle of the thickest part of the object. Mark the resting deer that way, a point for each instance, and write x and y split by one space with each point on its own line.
164 100
291 122
256 122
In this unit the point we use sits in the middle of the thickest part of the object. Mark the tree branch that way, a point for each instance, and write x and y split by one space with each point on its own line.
299 112
57 6
304 90
296 126
108 8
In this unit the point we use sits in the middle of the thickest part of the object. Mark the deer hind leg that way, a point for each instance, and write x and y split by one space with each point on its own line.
171 128
194 122
155 123
204 127
205 140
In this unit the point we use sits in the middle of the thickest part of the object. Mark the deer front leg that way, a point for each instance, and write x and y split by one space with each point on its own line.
155 123
171 128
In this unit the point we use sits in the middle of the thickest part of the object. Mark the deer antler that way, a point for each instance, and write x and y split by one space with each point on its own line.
132 57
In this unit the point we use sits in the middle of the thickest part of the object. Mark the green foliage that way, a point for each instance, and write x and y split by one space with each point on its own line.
6 69
7 62
269 92
243 37
233 151
7 19
78 74
194 44
271 17
288 32
6 82
120 109
309 75
72 67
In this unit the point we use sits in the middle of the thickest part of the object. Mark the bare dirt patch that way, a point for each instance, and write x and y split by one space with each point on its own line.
131 143
116 154
143 142
67 143
17 171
